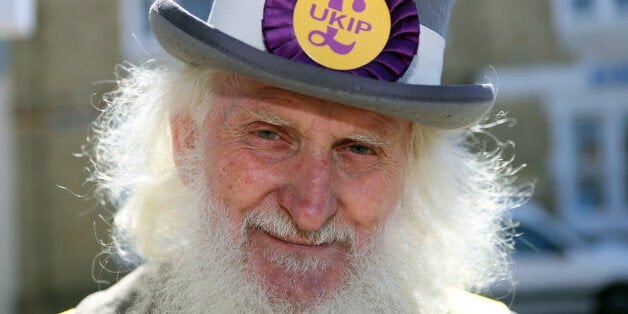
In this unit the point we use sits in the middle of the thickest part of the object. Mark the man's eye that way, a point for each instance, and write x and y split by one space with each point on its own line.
269 135
360 149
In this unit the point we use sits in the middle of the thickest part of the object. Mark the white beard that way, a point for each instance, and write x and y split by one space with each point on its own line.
209 274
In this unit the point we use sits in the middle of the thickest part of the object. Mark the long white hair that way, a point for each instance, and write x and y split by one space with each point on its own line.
452 219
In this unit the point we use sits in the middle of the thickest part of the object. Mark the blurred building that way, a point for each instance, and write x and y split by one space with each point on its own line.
60 71
58 75
17 20
584 102
502 34
74 45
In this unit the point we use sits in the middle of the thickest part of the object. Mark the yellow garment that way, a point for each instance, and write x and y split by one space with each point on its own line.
462 302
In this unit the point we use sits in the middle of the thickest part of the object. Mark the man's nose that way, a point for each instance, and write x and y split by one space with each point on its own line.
309 197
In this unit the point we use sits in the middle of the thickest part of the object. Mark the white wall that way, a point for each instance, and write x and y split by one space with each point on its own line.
17 18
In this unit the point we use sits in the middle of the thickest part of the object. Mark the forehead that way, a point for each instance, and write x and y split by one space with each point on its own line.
238 97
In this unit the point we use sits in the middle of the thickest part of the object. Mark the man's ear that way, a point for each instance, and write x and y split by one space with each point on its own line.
183 141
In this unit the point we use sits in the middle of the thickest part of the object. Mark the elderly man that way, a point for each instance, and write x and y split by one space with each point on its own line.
301 158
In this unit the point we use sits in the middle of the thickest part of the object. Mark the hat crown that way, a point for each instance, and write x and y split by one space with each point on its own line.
190 40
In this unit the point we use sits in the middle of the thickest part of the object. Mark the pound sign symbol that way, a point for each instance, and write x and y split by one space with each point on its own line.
328 39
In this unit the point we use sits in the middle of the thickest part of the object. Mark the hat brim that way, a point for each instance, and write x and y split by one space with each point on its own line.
193 41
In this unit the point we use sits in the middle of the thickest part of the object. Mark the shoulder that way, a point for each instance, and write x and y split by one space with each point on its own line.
462 302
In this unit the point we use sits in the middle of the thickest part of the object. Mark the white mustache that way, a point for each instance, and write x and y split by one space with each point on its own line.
277 222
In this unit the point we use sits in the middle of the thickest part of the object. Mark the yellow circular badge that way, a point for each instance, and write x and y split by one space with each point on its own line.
342 34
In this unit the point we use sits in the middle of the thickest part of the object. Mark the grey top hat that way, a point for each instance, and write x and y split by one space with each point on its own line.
380 55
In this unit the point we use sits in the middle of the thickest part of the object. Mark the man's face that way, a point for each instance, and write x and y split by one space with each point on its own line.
276 158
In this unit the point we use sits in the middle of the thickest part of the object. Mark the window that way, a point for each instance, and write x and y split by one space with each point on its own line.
532 242
622 5
582 6
145 7
589 164
200 8
17 19
625 174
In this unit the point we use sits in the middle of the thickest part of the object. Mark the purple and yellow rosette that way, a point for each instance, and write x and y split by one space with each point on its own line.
370 38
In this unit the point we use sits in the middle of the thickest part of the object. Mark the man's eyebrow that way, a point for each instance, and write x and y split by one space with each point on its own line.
367 138
370 139
269 117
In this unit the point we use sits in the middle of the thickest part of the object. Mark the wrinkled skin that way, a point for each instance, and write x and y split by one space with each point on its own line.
315 160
